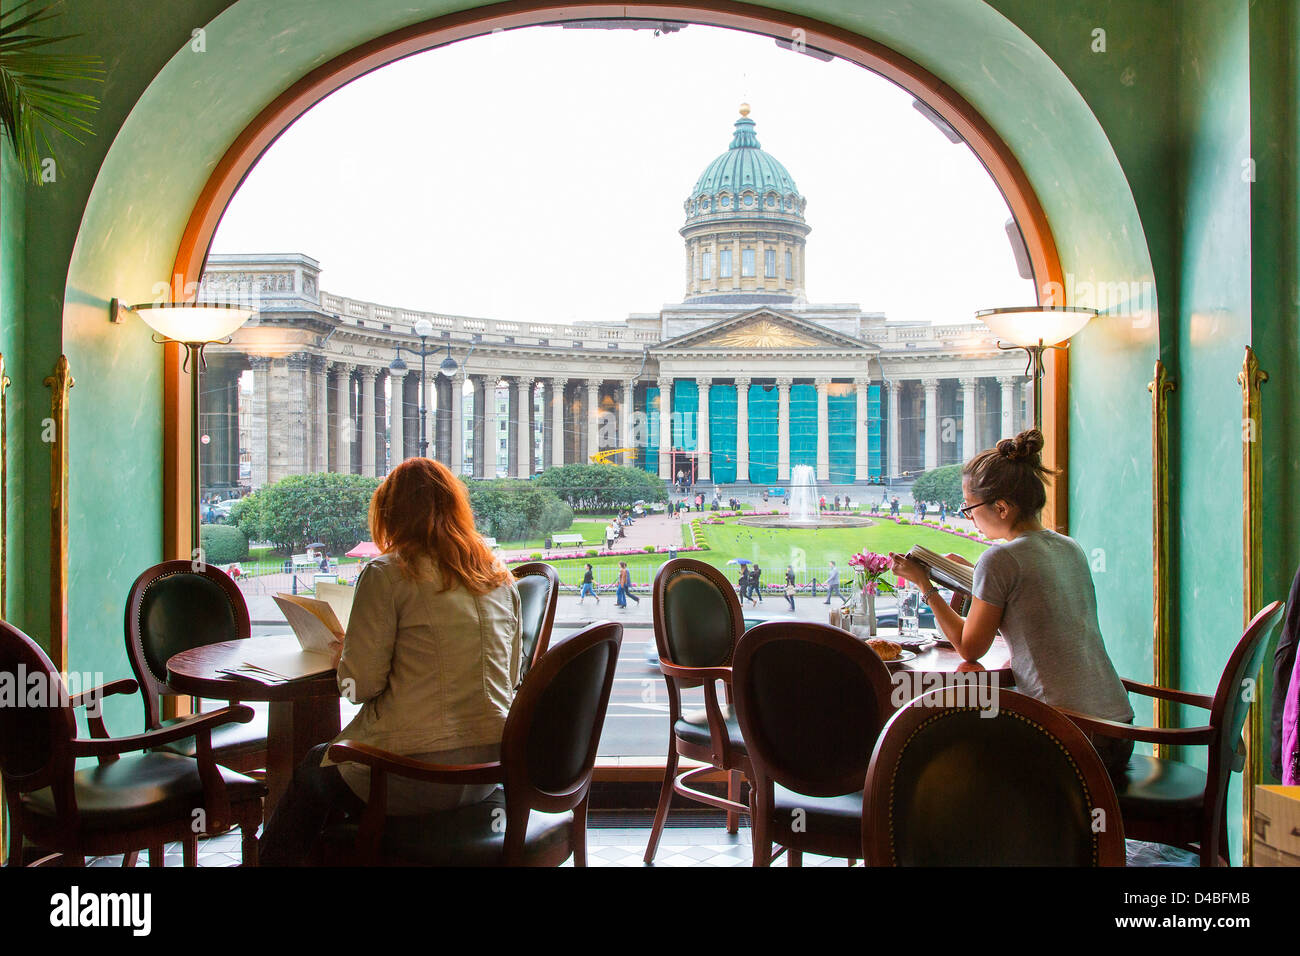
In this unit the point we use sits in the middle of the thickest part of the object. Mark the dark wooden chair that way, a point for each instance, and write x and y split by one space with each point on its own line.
548 752
539 592
697 622
951 784
811 700
172 608
137 797
1168 801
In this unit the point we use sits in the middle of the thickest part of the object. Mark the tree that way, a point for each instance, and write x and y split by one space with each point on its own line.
515 510
297 510
940 484
603 487
223 544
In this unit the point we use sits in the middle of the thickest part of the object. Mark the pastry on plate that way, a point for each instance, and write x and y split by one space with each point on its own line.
887 650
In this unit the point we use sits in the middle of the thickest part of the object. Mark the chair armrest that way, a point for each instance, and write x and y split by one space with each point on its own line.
200 725
1167 693
350 751
126 685
706 674
1185 736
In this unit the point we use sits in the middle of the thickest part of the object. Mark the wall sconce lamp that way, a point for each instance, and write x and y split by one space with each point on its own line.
193 326
1035 328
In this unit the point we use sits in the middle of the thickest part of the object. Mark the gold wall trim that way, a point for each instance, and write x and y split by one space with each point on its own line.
60 383
1250 378
1163 653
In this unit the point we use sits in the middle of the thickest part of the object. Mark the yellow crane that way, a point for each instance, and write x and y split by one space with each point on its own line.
607 457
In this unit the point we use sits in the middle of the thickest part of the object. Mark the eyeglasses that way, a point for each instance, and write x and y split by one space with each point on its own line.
965 510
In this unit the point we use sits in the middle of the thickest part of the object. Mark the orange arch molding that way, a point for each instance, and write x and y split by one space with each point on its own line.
325 79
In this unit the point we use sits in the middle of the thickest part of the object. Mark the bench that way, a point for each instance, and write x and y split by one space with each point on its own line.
560 540
305 562
490 542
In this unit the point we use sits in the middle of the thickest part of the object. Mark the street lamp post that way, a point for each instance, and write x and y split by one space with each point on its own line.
423 328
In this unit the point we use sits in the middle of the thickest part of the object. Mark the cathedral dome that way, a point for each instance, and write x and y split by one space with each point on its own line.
745 181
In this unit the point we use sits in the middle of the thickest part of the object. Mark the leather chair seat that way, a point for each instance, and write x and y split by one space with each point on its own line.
137 790
693 727
468 836
828 823
1151 787
226 739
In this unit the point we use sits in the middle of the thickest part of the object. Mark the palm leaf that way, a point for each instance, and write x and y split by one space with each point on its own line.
34 100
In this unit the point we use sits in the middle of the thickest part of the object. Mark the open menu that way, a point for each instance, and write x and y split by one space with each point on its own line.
318 623
944 571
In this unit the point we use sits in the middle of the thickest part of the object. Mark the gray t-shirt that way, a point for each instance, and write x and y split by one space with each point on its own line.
1049 620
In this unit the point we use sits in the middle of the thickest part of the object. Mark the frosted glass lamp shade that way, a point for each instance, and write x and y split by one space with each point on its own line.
193 323
1029 325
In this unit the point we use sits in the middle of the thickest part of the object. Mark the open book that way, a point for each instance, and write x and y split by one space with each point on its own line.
318 623
944 571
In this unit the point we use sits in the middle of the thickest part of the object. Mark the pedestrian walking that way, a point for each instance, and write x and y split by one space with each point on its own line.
699 502
625 586
755 592
742 583
943 511
833 586
789 585
588 586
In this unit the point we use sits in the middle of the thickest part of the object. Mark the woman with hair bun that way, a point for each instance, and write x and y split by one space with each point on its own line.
432 654
1036 589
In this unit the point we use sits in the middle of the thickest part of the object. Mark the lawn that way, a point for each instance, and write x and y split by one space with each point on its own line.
593 533
810 551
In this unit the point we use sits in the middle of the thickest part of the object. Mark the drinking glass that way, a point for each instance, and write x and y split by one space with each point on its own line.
909 610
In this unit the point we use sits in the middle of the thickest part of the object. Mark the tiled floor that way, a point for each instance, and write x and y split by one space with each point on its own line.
606 846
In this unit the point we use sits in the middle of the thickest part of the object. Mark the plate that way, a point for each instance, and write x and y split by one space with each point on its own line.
903 657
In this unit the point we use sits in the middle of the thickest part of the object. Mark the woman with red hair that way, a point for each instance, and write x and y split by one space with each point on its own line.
431 653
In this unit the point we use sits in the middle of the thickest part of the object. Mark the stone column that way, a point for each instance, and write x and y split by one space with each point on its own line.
491 430
783 428
367 420
396 424
1008 383
968 436
627 395
514 450
558 386
257 427
666 429
456 440
894 468
320 417
703 446
861 446
343 418
1027 397
524 399
823 429
742 426
593 417
931 386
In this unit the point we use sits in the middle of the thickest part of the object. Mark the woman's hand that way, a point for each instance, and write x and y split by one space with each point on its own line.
959 559
909 570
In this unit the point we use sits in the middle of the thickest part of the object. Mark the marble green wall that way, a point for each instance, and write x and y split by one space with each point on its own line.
13 229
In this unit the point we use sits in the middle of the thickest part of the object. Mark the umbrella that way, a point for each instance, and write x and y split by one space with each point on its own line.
364 549
316 544
740 561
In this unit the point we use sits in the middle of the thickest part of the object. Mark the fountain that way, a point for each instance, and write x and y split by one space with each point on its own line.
803 507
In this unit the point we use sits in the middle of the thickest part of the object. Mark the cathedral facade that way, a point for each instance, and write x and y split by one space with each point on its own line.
738 383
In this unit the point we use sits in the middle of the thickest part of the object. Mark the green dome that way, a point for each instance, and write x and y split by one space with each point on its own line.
745 169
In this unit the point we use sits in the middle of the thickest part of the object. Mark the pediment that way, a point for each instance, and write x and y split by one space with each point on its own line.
763 330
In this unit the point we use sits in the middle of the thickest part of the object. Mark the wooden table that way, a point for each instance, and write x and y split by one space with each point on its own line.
942 666
303 713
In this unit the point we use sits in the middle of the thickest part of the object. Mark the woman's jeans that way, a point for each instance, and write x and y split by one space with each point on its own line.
587 589
301 815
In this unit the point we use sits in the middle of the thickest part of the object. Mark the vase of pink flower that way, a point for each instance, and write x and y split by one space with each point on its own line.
869 576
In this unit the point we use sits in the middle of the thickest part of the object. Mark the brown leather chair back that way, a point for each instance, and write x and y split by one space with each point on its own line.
1018 784
172 608
697 615
811 700
1239 685
539 593
37 723
548 746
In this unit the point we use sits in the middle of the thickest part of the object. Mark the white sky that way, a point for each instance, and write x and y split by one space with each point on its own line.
539 174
